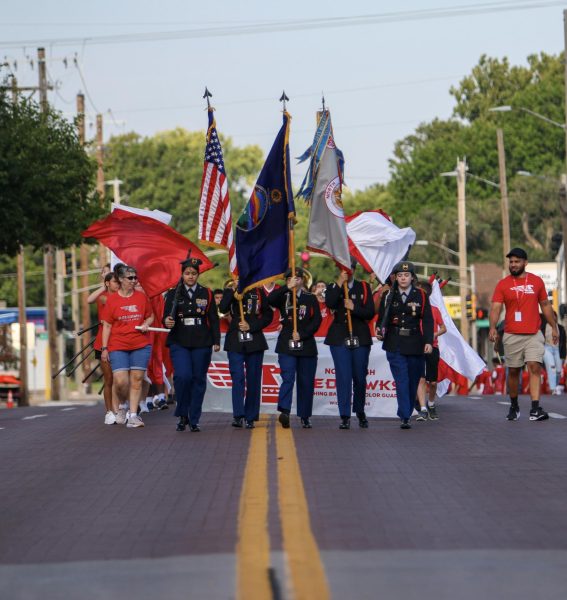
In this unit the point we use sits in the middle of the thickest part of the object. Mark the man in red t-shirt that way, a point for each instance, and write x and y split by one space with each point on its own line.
522 294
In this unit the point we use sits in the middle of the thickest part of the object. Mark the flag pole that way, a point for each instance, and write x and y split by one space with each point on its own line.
291 226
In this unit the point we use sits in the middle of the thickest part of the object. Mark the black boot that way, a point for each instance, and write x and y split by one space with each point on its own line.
237 422
362 420
182 423
306 423
284 420
345 423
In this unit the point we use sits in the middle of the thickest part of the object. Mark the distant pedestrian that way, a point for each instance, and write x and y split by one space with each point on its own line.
405 324
128 349
554 354
522 294
192 315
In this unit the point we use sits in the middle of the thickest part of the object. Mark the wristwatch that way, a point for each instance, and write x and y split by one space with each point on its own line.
104 348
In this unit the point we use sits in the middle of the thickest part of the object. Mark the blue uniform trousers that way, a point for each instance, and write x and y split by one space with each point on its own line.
407 371
305 367
190 366
351 368
246 374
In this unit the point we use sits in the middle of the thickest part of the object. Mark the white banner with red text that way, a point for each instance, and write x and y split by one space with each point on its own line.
380 386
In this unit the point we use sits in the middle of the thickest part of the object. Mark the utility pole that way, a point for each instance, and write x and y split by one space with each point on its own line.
48 257
84 254
103 254
504 196
563 203
22 317
75 312
462 217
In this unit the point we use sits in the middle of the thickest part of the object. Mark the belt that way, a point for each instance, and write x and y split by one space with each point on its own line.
192 321
404 331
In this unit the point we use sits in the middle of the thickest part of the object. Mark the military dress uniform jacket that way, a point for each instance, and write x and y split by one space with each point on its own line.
308 320
363 311
196 318
410 325
257 313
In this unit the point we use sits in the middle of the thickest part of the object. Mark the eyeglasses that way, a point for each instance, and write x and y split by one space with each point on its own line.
132 277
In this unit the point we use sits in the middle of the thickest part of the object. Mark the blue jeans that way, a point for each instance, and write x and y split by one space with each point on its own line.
246 374
552 362
351 369
407 371
305 367
190 366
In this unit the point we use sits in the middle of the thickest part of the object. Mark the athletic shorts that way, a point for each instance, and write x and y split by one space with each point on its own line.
520 349
130 360
432 365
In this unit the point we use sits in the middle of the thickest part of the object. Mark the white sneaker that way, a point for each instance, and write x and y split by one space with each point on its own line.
155 401
144 407
121 416
134 420
110 418
558 390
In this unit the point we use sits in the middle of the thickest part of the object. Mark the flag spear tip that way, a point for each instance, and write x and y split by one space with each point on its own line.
284 99
323 100
207 95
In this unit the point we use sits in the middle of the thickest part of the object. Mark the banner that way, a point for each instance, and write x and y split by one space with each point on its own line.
380 386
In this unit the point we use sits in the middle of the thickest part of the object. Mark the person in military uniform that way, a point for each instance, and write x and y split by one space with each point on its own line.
191 314
351 362
405 327
300 362
245 357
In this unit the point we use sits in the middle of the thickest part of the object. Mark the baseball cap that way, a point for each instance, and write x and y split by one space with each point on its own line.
518 253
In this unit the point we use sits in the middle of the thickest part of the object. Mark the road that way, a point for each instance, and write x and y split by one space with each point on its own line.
470 506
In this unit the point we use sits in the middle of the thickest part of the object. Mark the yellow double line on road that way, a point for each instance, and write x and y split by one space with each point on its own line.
308 580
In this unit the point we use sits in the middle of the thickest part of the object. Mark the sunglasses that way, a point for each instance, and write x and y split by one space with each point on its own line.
132 277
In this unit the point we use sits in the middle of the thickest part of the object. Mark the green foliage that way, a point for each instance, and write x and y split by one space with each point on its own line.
419 197
34 279
45 178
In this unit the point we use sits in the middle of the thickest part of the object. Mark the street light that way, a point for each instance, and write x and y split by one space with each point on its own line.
530 112
437 244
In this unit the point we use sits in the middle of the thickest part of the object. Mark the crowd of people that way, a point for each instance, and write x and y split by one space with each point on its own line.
347 314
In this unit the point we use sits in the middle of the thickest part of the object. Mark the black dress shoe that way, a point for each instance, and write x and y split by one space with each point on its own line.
194 428
250 425
306 423
182 423
345 423
362 420
237 422
284 420
405 424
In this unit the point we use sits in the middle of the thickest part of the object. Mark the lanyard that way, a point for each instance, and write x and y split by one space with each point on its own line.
519 297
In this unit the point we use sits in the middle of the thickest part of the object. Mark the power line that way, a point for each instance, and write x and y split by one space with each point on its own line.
294 25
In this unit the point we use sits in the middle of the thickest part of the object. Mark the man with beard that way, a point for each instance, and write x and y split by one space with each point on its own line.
522 294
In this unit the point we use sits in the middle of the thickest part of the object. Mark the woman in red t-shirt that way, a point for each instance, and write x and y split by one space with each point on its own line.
127 348
100 296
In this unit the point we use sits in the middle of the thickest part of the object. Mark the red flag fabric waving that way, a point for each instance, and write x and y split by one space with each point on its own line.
151 247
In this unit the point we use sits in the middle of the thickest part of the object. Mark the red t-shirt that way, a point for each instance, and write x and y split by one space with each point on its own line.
124 314
437 322
521 297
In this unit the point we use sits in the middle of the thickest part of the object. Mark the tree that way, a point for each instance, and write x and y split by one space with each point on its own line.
46 178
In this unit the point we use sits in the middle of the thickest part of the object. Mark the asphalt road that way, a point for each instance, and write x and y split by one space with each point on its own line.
469 506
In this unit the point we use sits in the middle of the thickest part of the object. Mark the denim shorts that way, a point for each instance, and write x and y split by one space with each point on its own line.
128 360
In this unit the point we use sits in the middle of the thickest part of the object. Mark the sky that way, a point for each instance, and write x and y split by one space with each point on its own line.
384 67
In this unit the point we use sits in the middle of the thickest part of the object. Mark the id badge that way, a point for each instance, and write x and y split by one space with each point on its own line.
518 316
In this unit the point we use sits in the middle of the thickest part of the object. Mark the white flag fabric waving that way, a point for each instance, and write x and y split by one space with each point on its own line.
453 350
378 241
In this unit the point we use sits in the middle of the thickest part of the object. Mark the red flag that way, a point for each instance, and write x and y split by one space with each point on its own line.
215 220
151 247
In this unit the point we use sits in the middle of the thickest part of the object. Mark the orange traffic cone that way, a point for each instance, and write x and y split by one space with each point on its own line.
10 400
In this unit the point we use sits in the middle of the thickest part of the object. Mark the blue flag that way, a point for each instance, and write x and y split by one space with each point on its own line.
262 231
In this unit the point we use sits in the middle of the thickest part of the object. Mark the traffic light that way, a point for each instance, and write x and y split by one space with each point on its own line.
469 307
67 319
556 241
68 267
305 256
481 314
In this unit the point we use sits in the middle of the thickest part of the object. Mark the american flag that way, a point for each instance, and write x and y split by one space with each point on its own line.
215 220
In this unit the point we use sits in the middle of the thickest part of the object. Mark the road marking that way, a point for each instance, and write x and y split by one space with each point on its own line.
69 408
253 547
556 415
33 417
307 572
